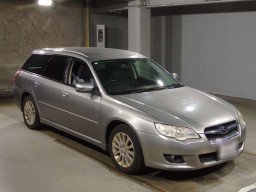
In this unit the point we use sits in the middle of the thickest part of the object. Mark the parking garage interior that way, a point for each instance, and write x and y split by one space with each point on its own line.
210 44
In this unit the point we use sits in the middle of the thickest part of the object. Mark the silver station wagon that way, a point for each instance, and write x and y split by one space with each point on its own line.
130 106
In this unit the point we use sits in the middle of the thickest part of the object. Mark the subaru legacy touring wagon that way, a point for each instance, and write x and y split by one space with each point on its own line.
127 104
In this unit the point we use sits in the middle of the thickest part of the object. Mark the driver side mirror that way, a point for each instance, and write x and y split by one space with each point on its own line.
84 87
175 76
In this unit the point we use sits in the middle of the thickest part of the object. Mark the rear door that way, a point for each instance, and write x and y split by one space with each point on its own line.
48 88
80 110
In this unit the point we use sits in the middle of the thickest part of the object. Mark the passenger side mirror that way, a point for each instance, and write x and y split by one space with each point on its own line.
84 87
175 76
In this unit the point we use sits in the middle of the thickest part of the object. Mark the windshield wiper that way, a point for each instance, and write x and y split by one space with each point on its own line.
173 86
149 89
157 88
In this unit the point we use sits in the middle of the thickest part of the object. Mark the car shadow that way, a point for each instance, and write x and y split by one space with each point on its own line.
219 171
49 130
154 179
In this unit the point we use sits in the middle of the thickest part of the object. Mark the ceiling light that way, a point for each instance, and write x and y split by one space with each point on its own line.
45 2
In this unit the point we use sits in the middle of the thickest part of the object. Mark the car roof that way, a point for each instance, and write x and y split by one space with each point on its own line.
92 53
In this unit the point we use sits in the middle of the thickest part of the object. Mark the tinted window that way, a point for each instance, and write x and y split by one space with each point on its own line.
145 70
36 63
79 73
55 68
124 76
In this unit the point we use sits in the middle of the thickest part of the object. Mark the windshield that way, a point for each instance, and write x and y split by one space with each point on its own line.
125 76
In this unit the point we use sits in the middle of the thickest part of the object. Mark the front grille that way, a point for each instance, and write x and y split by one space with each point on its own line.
227 131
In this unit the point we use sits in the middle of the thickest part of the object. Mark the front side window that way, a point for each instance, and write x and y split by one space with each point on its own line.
79 73
55 68
36 63
125 76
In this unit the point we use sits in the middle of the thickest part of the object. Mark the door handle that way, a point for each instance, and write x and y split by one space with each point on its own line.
64 94
37 84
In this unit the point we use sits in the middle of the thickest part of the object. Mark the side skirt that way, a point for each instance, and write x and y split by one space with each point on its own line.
74 133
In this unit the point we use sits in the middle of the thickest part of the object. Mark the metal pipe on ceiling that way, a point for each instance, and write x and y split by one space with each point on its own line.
196 2
155 4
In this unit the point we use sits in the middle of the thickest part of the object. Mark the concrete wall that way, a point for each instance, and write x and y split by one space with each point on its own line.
26 26
218 53
215 53
116 30
117 35
161 41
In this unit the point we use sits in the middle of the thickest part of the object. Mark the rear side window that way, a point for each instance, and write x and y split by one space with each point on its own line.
36 63
55 68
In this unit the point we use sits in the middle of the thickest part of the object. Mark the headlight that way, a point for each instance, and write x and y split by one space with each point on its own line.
179 133
240 118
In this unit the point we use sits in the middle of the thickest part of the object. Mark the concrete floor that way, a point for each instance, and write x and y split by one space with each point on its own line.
52 161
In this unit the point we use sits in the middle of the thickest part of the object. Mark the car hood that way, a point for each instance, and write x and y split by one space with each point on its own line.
183 106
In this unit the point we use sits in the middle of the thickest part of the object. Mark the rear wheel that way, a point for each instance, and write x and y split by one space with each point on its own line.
30 114
125 150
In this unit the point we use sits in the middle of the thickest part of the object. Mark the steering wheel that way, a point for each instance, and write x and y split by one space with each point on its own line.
112 81
109 84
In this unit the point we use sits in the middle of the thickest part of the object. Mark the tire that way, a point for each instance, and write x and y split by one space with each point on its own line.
123 158
30 113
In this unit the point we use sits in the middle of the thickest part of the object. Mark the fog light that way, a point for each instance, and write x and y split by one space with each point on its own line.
174 158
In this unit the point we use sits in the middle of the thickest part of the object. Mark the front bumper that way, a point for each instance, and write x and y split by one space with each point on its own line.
154 148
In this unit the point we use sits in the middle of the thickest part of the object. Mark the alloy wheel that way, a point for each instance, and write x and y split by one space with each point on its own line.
123 149
29 112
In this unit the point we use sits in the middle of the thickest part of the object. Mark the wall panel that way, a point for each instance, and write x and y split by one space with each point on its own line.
24 26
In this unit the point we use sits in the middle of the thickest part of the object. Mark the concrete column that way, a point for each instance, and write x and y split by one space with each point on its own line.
139 36
176 49
163 41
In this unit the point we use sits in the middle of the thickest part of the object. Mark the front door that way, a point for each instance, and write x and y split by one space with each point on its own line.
80 110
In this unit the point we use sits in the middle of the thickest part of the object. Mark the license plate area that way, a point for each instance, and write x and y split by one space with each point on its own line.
226 149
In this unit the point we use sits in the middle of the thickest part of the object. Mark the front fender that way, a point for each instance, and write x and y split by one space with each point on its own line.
112 110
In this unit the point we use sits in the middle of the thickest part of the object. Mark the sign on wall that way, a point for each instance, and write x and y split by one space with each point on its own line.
101 36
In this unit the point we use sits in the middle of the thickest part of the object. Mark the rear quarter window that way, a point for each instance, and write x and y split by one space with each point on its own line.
55 68
36 63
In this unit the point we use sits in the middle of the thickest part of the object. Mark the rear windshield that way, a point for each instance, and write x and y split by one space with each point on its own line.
36 63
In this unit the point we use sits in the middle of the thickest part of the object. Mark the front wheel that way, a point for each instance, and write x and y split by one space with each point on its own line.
125 150
30 114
